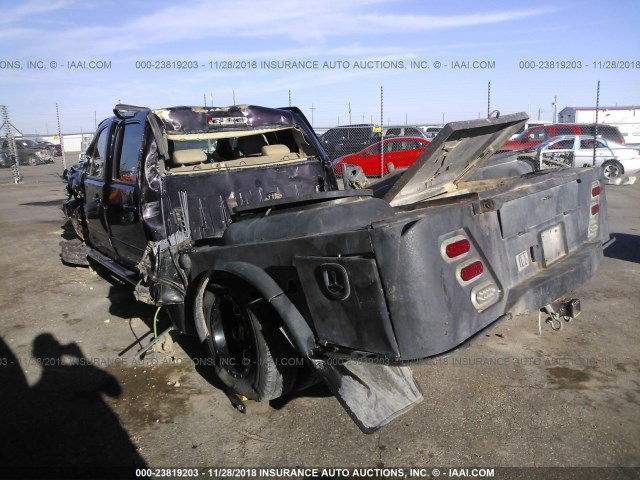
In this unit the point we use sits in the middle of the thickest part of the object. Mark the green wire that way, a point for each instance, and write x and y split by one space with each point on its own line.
155 323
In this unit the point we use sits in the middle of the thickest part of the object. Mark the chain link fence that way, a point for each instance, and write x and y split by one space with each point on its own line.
18 150
378 151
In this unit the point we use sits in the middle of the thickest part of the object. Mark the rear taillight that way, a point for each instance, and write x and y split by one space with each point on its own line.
595 209
455 248
595 191
464 260
470 271
458 248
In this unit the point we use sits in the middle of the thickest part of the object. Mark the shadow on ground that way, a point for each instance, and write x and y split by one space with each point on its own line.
626 247
63 421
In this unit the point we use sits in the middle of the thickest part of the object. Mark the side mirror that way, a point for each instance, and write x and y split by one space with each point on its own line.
83 157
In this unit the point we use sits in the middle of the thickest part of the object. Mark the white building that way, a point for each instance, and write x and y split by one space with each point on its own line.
627 119
73 142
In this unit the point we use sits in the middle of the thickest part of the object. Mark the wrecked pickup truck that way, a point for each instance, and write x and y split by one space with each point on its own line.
232 220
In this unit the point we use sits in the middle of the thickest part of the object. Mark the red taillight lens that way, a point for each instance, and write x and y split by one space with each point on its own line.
458 248
595 191
471 271
595 209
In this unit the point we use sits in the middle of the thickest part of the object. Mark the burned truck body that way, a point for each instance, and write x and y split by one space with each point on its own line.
232 219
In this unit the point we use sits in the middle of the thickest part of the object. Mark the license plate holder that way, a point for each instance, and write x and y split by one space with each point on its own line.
554 244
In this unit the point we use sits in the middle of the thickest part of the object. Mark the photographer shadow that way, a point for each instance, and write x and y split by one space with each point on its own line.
63 421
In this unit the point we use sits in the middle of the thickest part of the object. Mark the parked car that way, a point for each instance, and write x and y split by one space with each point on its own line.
28 152
401 152
54 148
536 135
403 131
430 131
528 125
231 220
617 160
5 159
345 140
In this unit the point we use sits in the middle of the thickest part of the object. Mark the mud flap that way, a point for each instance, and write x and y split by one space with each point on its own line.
371 394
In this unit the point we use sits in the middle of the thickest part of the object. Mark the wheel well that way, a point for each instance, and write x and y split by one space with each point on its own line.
203 297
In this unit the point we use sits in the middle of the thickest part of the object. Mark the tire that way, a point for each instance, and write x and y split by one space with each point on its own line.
32 161
612 169
74 252
250 354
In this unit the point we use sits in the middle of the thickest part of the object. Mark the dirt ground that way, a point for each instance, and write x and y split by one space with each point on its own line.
513 398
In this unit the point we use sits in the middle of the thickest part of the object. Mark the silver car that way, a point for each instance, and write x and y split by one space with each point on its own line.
618 161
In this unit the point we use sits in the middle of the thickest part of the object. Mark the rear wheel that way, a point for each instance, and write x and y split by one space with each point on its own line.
250 354
32 160
612 169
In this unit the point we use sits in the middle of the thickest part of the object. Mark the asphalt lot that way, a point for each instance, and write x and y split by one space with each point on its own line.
513 398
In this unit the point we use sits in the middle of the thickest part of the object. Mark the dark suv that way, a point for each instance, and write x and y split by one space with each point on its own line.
28 152
345 140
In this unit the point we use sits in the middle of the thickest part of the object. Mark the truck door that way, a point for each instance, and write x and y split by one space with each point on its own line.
123 211
95 188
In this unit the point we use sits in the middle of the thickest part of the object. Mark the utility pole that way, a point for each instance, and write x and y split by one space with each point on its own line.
555 107
489 100
349 113
289 97
312 109
234 97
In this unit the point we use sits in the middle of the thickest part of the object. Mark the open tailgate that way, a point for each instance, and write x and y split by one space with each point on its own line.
455 153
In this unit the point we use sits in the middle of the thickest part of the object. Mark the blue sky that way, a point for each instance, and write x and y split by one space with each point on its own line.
503 32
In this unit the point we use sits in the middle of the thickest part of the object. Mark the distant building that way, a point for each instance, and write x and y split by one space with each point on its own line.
627 119
605 115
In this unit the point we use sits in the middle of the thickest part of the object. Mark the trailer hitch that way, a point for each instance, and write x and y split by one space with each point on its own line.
557 311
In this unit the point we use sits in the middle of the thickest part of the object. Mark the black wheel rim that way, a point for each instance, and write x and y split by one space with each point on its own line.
233 338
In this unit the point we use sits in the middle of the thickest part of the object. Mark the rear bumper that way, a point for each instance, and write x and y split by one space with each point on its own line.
563 277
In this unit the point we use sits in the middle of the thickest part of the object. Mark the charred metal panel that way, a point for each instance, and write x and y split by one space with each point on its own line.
342 214
206 119
210 193
347 303
520 215
455 153
371 394
431 311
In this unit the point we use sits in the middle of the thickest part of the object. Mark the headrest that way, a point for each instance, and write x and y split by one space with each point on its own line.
277 149
186 157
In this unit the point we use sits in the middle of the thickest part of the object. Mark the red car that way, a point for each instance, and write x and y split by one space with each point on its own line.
400 151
